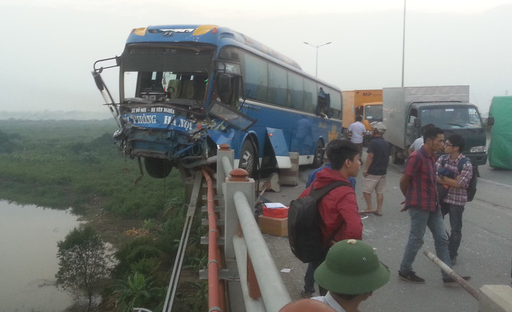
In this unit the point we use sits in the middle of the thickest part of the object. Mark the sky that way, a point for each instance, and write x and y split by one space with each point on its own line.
49 46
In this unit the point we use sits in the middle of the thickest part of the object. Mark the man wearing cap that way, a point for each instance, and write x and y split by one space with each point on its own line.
376 168
351 272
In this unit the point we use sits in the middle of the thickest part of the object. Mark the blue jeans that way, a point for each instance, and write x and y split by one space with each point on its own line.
420 219
309 279
455 212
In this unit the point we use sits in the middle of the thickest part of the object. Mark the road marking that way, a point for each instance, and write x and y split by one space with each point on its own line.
495 183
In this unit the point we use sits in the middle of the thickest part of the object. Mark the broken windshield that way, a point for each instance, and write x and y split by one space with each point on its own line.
170 75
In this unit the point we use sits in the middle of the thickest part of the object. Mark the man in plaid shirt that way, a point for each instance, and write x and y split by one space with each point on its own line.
454 202
418 184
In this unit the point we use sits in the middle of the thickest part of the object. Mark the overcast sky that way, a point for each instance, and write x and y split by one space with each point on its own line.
49 46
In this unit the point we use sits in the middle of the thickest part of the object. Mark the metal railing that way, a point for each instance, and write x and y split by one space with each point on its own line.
244 243
246 256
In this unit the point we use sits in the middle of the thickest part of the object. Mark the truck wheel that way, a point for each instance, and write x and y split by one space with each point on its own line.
318 159
394 156
248 158
157 168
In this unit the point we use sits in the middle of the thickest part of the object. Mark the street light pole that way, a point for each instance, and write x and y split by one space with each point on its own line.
317 46
403 45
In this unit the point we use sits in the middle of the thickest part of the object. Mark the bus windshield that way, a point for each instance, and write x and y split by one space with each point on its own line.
451 117
168 87
173 75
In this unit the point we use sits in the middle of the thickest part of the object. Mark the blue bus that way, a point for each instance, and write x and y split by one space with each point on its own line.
186 89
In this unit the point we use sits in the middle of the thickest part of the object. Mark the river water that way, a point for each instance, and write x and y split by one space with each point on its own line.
28 257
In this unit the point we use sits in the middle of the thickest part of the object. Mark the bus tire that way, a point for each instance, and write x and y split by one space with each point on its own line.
248 158
157 168
394 156
318 159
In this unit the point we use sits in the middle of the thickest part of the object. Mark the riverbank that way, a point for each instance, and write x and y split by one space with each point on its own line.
113 229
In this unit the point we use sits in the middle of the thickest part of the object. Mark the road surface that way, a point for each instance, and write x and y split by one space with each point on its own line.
485 252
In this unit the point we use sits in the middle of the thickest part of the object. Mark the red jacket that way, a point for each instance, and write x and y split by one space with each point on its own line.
338 208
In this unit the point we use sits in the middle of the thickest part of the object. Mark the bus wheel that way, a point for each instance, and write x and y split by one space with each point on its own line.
394 156
157 168
248 158
319 154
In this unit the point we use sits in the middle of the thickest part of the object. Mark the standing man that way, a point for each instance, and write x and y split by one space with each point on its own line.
356 131
338 208
419 141
457 196
418 184
375 172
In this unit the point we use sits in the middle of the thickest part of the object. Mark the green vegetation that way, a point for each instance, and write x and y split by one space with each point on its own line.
62 164
83 264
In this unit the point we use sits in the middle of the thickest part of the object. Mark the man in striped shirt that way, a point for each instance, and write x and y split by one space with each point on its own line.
418 184
457 195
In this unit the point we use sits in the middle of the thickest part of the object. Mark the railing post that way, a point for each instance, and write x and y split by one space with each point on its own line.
223 151
238 181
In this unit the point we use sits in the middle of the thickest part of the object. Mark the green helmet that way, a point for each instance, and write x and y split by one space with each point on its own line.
351 268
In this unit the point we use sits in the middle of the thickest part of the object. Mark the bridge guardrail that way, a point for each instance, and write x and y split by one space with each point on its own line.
244 243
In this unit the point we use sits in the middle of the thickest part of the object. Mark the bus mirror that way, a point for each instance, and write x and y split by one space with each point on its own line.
230 115
98 81
417 122
490 121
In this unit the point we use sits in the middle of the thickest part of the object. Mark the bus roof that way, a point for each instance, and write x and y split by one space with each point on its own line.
208 34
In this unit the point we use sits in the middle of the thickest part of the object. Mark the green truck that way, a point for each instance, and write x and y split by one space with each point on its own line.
500 148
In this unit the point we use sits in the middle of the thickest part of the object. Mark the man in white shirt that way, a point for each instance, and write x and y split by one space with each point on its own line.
419 141
351 272
356 131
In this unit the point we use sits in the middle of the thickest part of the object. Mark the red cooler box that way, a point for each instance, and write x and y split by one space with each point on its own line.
275 210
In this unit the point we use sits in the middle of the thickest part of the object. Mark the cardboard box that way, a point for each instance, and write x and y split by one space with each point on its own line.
273 226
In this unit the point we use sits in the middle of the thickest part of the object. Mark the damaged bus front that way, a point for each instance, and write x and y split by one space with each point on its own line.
174 102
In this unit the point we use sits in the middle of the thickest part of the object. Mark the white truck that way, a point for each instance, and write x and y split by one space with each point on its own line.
407 109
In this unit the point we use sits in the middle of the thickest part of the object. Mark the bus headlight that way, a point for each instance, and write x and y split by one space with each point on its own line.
478 149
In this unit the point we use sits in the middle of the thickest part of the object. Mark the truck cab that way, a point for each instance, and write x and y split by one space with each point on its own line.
371 112
453 118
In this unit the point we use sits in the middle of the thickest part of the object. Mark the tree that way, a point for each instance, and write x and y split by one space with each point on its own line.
83 263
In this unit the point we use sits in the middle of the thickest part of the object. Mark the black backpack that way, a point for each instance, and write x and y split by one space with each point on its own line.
304 221
471 190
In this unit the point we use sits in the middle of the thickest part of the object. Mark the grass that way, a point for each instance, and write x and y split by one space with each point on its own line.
62 164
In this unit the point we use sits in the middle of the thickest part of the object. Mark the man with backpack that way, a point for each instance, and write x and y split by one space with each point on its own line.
338 209
454 170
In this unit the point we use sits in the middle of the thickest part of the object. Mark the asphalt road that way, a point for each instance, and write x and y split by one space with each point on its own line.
485 253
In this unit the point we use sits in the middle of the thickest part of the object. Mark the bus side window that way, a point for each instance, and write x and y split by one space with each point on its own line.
323 103
310 96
